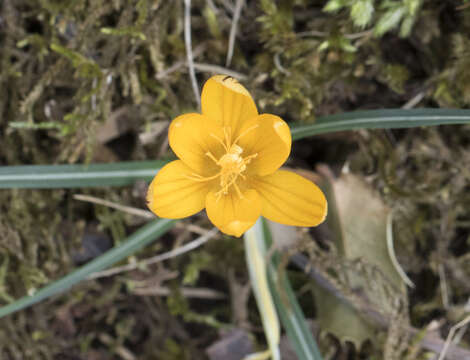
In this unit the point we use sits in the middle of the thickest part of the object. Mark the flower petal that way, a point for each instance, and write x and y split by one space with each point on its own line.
269 137
226 101
173 195
231 214
290 199
191 137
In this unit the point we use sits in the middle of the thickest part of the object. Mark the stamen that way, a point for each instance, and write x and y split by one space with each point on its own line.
232 164
212 157
218 195
227 134
246 132
221 142
197 177
226 184
237 189
248 158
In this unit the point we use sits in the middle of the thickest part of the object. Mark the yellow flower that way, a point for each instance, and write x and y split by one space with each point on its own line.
229 160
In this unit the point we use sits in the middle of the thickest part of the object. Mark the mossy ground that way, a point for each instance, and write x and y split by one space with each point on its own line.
72 70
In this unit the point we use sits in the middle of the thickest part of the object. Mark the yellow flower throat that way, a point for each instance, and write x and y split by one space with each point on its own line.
232 163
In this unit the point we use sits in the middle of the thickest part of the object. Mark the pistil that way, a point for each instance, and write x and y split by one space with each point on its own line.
232 164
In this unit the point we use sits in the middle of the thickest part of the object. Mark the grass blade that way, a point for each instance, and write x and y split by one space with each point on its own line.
288 308
136 241
381 119
77 176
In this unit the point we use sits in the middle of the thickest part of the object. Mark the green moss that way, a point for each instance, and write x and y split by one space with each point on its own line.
68 67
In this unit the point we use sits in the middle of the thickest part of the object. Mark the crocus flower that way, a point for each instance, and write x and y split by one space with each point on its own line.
229 160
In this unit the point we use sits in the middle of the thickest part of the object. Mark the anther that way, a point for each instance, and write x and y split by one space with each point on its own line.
232 164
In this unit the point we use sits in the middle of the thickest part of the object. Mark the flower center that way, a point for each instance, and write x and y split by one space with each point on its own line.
232 163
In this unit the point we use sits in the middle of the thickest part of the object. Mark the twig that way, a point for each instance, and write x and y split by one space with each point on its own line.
443 285
135 211
414 101
201 293
228 6
233 30
391 252
189 51
353 36
211 4
277 62
358 35
215 69
459 334
122 351
198 50
219 70
127 209
312 33
158 258
451 335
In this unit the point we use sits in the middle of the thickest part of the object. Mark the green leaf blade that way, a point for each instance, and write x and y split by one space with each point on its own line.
77 176
136 241
381 119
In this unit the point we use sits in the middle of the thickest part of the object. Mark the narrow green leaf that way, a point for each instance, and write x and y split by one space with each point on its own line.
288 308
381 119
136 241
77 176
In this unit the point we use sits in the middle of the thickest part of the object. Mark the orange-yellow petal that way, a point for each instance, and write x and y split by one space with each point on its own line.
173 195
290 199
226 101
269 137
231 214
190 138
